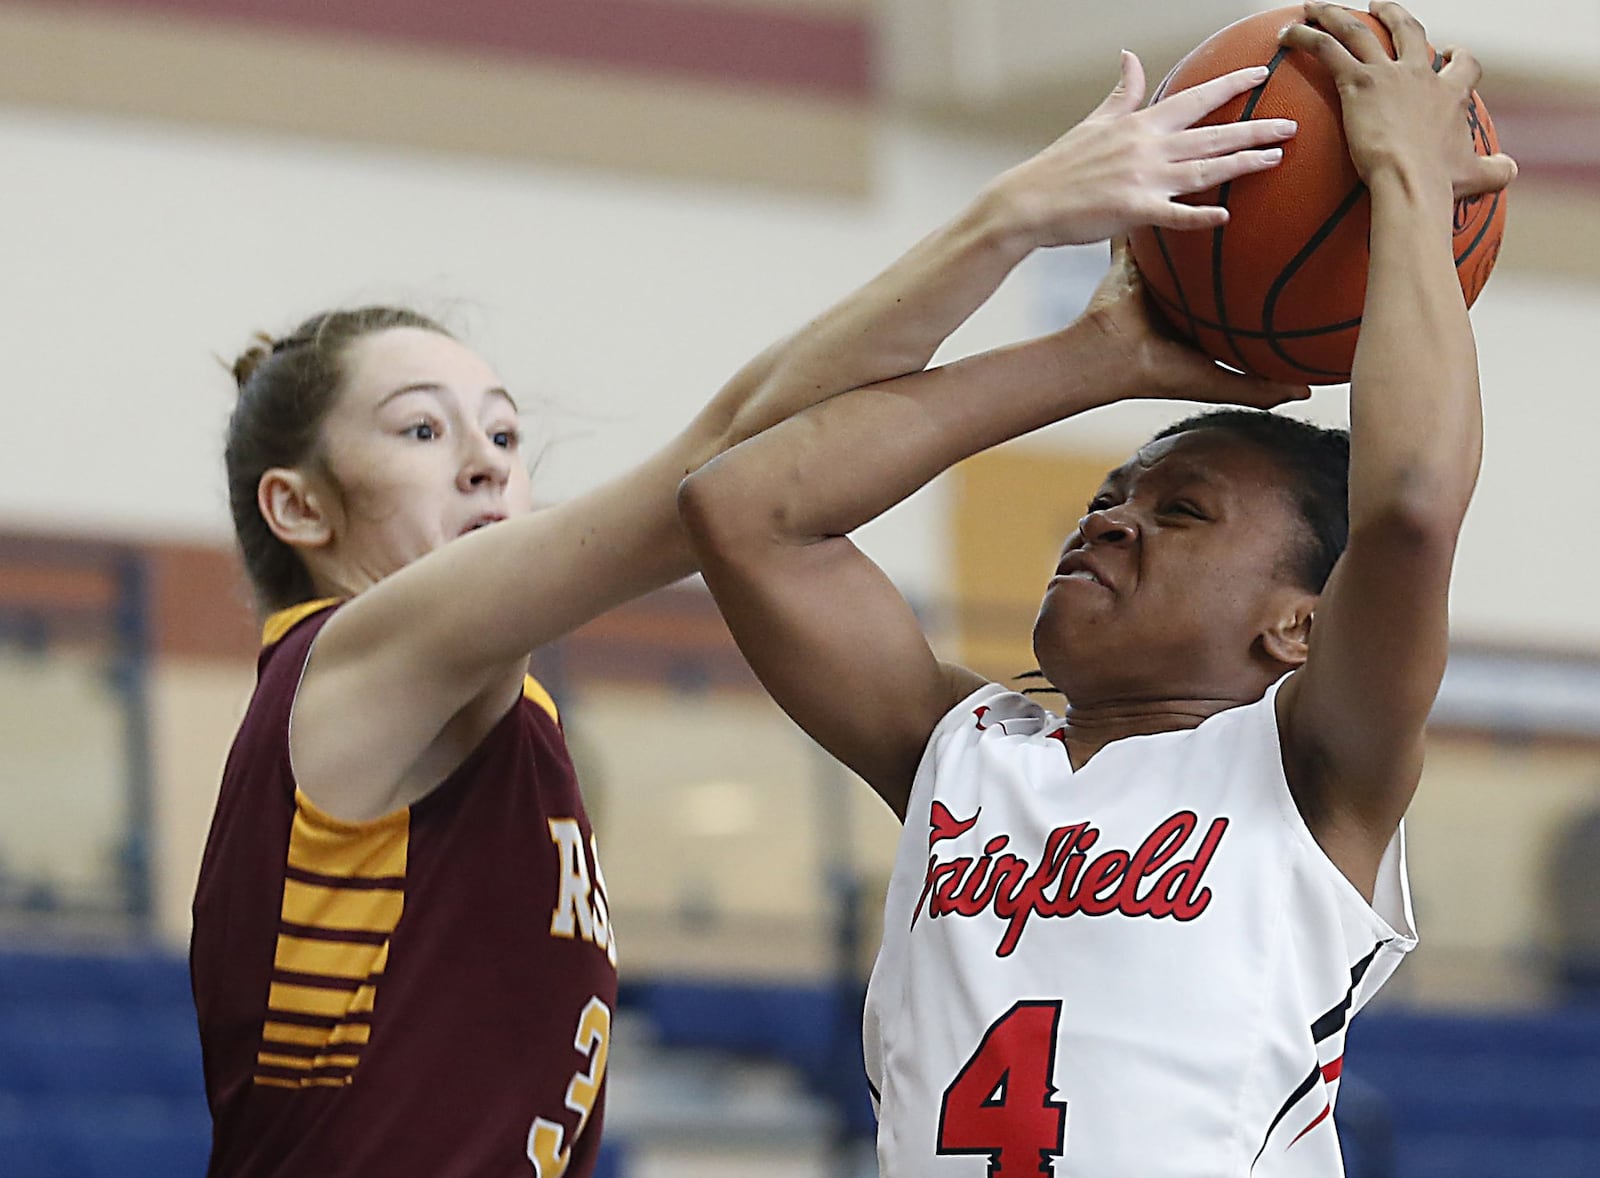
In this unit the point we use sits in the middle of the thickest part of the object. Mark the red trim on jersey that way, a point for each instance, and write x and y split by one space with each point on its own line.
1315 1121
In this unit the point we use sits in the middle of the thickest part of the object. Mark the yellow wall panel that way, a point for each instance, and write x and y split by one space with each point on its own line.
1013 508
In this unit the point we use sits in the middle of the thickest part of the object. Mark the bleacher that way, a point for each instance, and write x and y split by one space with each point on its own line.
99 1067
1508 1096
100 1073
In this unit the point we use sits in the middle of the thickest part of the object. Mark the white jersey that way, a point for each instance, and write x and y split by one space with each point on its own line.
1141 968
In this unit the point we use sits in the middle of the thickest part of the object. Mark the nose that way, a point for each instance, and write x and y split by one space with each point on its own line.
483 465
1104 527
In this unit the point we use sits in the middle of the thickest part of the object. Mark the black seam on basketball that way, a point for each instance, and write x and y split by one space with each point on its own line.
1275 291
1160 238
1295 333
1161 90
1218 287
1166 257
1218 235
1494 207
1183 307
1480 137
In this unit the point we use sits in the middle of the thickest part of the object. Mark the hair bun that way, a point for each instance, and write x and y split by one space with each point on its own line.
252 358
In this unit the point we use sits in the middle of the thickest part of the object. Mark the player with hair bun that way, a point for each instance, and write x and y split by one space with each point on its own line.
402 958
1128 939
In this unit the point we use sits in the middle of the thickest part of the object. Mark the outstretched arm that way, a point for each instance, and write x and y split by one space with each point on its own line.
1353 716
828 634
1121 166
456 626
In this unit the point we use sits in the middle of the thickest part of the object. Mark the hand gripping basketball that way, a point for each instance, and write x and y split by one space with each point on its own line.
1123 166
1154 364
1406 113
1280 289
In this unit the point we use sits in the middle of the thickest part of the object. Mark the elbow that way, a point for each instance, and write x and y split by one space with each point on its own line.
718 510
701 509
1418 514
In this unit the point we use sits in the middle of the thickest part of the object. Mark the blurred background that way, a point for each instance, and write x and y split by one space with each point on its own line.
618 202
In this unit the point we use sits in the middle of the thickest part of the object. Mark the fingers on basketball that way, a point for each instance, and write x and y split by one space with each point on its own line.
1173 215
1187 107
1227 138
1410 38
1491 174
1461 66
1279 288
1319 44
1350 31
1198 175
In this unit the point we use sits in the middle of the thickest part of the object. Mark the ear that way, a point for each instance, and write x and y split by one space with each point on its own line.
1286 639
296 507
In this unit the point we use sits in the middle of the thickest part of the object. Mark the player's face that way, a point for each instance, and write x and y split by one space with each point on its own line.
1170 579
423 445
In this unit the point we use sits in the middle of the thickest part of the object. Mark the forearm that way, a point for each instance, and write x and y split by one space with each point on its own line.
1416 424
889 327
840 464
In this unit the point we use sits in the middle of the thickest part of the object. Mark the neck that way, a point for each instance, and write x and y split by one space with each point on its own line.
1092 726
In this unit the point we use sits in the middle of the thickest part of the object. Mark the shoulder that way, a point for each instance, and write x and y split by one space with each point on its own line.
287 634
286 640
307 616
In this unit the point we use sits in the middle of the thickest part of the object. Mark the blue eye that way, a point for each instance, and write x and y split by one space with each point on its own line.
422 431
506 439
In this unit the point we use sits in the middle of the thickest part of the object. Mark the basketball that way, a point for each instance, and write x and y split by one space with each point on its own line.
1278 290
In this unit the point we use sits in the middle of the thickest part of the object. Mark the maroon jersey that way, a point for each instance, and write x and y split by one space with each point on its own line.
426 994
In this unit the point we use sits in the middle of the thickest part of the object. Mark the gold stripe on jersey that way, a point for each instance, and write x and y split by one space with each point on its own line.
322 844
285 998
303 1081
329 959
344 883
534 690
335 909
280 623
316 1036
306 1062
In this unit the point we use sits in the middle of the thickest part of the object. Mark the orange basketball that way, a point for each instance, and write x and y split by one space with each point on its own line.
1278 290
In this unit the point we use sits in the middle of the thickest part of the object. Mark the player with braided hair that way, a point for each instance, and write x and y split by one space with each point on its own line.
1127 939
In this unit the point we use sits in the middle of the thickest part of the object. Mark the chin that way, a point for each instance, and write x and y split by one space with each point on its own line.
1056 631
1080 657
1050 654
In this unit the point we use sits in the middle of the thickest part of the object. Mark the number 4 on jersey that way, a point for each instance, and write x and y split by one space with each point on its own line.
1000 1102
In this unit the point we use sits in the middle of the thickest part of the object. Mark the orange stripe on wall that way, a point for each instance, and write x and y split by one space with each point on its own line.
200 612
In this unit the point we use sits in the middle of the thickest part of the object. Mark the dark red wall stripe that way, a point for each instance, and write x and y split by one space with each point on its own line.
1552 140
810 53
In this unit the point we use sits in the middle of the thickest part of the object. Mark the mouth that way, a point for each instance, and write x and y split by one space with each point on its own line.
481 521
1079 566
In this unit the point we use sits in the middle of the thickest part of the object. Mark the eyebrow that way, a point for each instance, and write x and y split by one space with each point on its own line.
1191 474
1117 478
1182 472
428 386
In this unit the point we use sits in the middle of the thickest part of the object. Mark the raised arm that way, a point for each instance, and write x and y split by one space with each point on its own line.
828 634
1353 716
456 625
